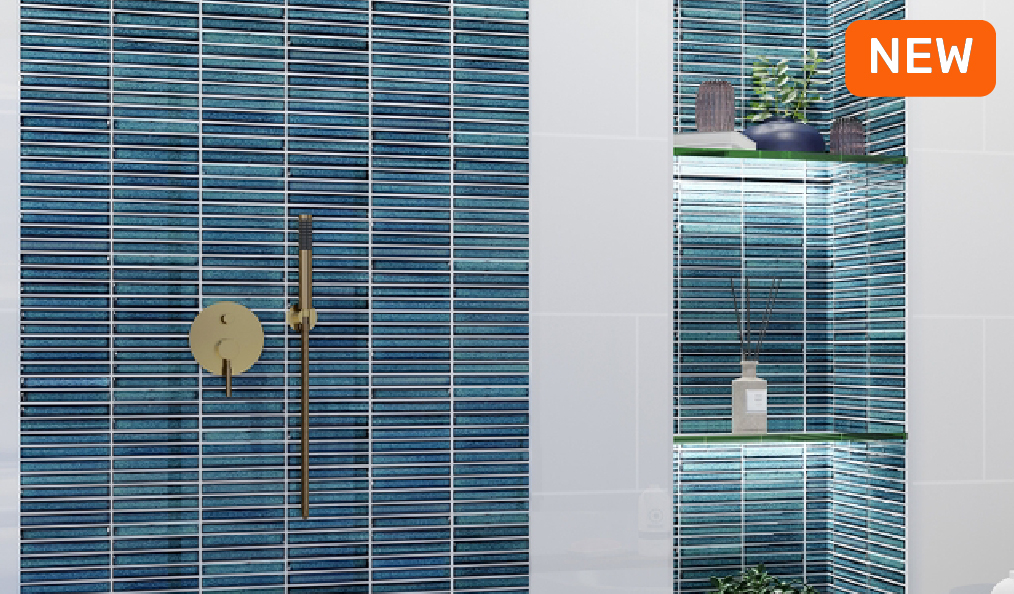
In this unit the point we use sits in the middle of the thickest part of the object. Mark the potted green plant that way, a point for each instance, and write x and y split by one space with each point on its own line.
757 580
780 104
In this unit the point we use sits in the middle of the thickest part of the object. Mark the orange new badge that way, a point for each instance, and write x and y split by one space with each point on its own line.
920 58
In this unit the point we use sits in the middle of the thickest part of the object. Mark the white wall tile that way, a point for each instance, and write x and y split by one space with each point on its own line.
961 131
943 9
654 399
960 537
579 525
945 399
958 201
998 129
654 69
10 536
588 544
601 225
584 67
601 255
583 384
999 399
959 232
590 446
962 127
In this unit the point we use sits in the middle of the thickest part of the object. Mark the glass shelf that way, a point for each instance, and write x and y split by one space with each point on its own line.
681 151
786 437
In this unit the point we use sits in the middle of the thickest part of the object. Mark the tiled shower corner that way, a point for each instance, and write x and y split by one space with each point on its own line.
830 512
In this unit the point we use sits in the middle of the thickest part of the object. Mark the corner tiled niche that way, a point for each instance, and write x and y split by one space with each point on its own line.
833 233
720 39
830 511
822 496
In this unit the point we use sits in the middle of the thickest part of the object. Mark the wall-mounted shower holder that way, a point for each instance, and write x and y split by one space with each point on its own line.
302 317
294 317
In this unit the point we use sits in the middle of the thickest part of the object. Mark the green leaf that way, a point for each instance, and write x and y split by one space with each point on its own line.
779 91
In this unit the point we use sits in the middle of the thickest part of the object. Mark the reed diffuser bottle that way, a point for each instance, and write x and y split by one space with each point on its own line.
749 392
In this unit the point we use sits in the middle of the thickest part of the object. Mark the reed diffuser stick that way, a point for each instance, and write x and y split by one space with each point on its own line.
748 318
739 323
765 319
772 295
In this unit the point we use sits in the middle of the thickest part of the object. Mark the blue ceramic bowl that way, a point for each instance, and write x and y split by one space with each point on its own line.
783 134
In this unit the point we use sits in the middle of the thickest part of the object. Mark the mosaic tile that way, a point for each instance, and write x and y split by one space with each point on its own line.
833 228
111 124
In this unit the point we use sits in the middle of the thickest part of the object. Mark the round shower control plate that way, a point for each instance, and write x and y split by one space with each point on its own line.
226 330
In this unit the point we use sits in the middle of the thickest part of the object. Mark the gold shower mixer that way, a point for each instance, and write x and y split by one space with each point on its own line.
226 339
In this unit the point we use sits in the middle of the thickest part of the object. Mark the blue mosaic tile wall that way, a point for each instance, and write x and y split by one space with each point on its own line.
167 148
867 300
884 117
834 233
830 514
721 40
739 219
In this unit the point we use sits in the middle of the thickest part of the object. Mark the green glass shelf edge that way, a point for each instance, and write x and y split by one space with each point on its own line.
681 151
786 437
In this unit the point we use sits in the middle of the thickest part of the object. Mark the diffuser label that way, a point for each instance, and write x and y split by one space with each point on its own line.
756 401
902 58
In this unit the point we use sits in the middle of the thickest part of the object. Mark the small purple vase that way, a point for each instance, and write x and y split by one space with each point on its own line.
715 106
848 136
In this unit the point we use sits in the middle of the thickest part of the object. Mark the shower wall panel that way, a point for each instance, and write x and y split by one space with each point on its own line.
167 148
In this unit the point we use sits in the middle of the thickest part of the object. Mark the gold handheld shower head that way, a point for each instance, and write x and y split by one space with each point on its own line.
303 317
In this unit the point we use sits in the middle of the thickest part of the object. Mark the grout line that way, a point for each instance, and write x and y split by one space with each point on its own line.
287 440
202 377
451 261
111 293
370 253
741 479
744 92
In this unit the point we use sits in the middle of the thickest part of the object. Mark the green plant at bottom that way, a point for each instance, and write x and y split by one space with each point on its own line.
757 580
